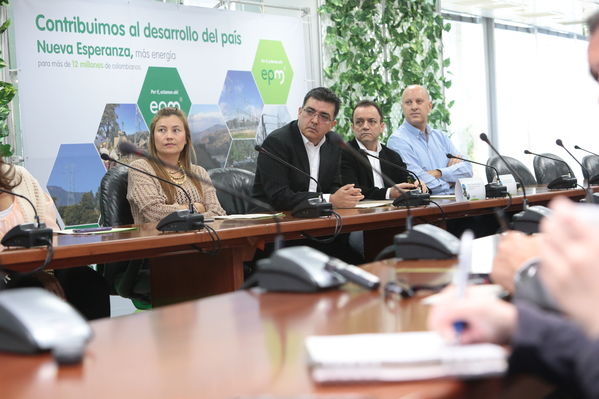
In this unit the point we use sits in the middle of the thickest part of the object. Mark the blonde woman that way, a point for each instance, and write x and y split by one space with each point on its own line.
150 199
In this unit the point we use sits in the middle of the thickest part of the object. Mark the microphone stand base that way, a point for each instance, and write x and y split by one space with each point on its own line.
410 198
312 208
495 190
527 221
562 183
182 220
27 235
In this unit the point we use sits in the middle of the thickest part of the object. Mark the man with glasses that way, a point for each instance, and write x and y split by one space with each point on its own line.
423 148
305 144
367 126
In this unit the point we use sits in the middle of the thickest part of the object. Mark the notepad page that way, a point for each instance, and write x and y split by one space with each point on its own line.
409 347
373 203
399 357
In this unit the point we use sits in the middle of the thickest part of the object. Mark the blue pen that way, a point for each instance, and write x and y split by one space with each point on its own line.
460 278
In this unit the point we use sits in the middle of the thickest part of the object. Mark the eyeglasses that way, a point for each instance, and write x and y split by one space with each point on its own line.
362 122
322 116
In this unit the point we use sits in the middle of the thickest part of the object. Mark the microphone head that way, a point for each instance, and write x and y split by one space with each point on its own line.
335 138
527 152
577 147
559 142
105 156
484 137
126 148
449 156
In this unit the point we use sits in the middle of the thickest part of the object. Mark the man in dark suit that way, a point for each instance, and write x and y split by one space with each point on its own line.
367 126
305 144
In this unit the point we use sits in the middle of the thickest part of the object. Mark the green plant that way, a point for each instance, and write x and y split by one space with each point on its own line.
375 49
7 93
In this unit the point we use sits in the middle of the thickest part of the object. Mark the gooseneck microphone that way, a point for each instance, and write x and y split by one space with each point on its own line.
406 198
529 218
29 234
484 138
386 162
589 196
312 207
269 154
450 156
591 179
127 148
406 245
560 182
182 220
493 189
590 152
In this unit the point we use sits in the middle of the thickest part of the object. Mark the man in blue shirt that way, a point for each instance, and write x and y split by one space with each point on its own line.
423 148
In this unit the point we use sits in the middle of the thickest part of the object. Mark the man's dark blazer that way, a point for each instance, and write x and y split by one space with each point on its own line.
283 187
354 172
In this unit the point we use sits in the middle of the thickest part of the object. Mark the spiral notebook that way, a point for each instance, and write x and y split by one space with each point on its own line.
399 357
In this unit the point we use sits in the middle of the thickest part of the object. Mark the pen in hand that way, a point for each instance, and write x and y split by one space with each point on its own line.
460 279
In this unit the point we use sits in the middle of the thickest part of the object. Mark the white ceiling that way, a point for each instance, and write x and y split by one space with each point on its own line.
563 15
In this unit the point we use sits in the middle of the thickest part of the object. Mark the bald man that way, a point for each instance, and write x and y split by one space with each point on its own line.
423 148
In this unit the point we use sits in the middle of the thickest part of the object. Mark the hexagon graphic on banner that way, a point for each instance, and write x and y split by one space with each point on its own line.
272 71
74 182
241 104
162 88
209 135
120 122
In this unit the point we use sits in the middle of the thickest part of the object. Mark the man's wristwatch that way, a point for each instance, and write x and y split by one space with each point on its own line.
440 173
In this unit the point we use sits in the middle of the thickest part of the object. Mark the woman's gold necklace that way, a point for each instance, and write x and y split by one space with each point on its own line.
178 179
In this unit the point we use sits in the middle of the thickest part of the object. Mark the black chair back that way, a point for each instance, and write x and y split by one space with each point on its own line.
114 207
238 180
591 163
547 170
127 278
527 177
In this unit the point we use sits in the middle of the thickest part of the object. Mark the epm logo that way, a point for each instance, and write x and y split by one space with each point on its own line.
162 88
272 72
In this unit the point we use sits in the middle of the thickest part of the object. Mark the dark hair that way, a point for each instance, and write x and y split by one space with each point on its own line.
367 103
593 22
326 95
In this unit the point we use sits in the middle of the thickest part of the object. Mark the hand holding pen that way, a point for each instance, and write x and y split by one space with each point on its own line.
471 318
460 278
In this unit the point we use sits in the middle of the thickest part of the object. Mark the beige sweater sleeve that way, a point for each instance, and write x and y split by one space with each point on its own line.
149 203
30 188
209 198
146 197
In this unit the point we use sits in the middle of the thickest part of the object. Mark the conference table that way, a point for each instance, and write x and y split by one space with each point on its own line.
247 344
182 270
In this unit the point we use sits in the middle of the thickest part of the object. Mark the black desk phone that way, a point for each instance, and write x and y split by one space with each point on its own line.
34 320
426 241
305 269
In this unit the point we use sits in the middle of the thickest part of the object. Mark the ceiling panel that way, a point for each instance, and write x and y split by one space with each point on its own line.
563 15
